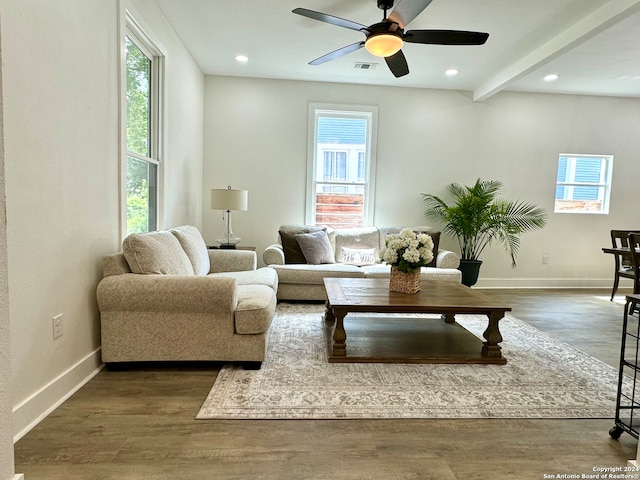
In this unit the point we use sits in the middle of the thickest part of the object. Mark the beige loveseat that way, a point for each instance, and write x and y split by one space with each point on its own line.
355 252
166 297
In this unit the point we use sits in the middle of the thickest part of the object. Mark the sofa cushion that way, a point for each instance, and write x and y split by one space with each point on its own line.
426 273
365 237
304 274
255 310
193 245
358 256
379 270
316 247
441 274
157 253
262 276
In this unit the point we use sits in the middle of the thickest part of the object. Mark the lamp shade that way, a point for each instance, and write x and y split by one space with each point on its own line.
229 199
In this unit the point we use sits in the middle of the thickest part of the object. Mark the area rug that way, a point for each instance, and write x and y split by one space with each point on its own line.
544 378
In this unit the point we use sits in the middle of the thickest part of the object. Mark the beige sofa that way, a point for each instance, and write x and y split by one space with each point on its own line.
300 280
166 297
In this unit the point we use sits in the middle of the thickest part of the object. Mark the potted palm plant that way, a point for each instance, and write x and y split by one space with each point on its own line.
476 217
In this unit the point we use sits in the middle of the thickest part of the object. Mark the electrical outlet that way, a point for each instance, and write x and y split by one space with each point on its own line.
58 324
545 259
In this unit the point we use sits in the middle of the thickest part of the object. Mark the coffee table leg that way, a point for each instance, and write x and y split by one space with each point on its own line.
339 335
493 337
328 314
448 318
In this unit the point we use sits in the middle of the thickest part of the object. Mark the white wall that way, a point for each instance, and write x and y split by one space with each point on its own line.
61 147
182 170
256 134
6 423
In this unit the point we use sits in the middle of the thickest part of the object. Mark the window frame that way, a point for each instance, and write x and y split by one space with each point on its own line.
603 185
369 112
145 41
336 157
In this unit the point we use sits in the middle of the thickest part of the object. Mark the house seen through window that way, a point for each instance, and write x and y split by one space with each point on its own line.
341 160
583 183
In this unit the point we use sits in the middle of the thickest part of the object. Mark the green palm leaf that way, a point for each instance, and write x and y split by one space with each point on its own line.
476 218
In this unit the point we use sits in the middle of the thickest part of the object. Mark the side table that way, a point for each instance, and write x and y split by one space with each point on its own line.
238 247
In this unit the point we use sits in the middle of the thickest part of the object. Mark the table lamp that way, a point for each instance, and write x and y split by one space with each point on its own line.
226 200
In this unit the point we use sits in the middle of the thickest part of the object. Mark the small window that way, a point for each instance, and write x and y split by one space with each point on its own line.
335 166
361 166
341 165
583 184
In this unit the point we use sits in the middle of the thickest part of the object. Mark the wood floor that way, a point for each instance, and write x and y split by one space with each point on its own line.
139 424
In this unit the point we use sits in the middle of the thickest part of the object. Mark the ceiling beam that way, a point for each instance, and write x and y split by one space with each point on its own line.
592 24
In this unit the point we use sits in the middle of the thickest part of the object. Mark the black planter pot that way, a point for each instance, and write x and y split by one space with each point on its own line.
470 270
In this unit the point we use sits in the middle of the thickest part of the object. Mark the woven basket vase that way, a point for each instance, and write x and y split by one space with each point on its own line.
404 282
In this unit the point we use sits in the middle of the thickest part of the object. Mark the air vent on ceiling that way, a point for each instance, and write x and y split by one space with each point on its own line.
366 66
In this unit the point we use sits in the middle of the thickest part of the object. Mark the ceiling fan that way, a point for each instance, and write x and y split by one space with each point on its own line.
386 38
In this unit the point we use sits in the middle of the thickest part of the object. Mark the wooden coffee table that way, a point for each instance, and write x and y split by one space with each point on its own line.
403 339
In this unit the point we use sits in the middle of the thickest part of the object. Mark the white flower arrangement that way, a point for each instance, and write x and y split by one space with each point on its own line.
408 250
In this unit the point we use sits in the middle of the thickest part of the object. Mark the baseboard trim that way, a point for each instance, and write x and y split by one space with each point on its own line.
19 476
34 409
545 283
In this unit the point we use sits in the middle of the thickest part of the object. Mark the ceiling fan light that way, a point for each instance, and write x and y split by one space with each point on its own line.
383 45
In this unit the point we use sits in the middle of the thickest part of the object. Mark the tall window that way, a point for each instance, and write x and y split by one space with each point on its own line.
583 184
341 165
143 84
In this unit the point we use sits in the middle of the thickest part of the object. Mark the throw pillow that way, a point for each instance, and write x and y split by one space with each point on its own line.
292 252
156 253
359 237
193 245
435 236
316 247
358 256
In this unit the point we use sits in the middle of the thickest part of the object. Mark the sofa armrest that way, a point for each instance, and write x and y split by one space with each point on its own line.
447 259
132 292
232 260
273 255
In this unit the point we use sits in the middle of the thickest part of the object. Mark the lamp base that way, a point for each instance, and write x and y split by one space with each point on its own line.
229 240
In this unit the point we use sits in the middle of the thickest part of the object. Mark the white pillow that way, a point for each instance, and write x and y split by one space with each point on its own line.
158 253
358 256
193 245
316 247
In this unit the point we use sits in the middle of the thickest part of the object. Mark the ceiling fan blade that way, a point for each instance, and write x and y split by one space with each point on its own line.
337 53
407 10
323 17
445 37
397 63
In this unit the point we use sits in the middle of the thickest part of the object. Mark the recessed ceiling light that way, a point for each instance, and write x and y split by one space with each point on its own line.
552 77
452 72
242 58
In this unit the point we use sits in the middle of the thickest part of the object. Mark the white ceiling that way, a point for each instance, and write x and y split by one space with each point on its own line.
593 45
